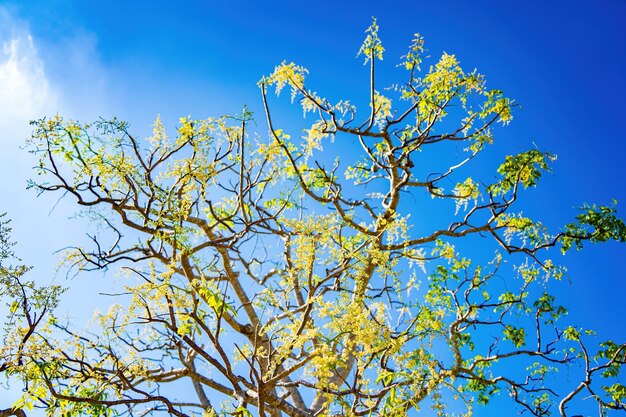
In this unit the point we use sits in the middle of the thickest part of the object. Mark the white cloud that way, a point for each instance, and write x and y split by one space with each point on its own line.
42 77
25 91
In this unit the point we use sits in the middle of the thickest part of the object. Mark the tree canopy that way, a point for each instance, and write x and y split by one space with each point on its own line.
268 275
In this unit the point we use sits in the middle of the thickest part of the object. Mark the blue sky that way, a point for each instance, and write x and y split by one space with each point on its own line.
563 61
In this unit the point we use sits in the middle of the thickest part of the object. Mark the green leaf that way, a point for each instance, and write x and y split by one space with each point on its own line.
515 335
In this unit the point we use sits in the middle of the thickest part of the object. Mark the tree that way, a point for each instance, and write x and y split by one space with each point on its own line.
276 280
27 306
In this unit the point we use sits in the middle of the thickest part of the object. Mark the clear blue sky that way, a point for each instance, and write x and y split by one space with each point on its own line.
563 61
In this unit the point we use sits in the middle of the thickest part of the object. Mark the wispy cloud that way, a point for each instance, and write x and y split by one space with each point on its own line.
25 91
41 77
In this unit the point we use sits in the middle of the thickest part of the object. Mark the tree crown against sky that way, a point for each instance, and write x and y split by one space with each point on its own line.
276 280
